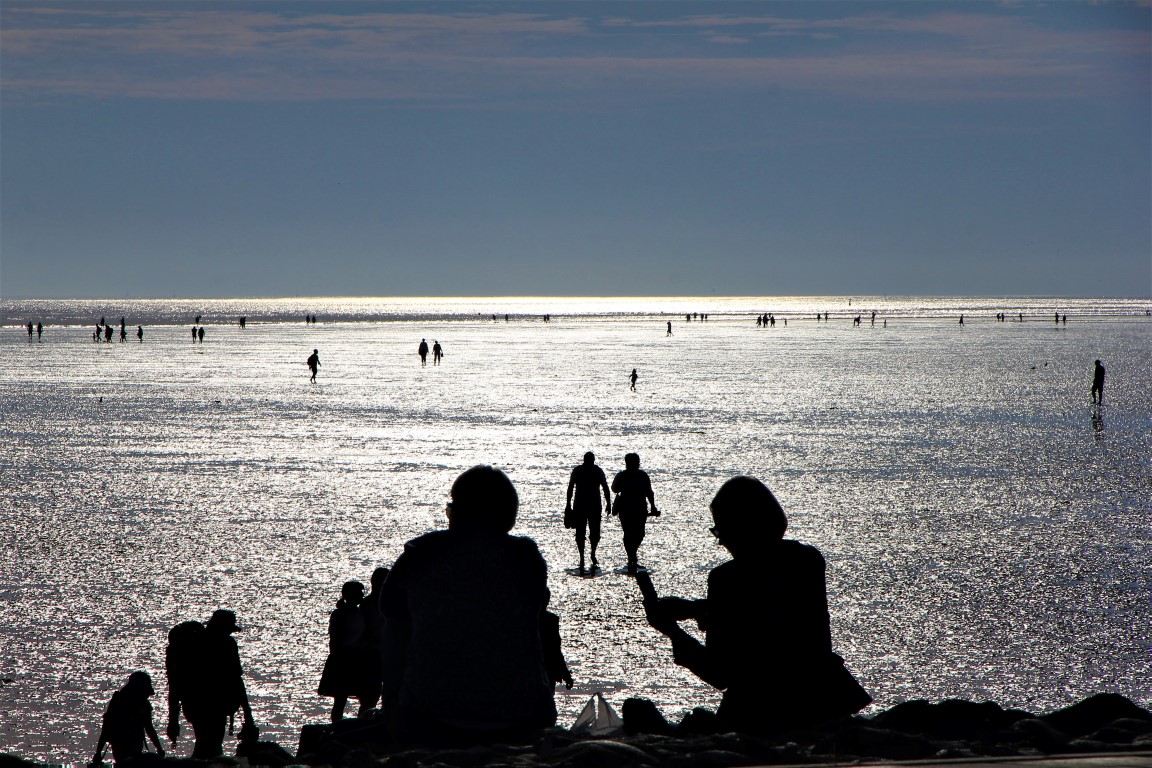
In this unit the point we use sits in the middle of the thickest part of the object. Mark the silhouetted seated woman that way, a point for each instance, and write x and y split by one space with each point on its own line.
463 660
768 640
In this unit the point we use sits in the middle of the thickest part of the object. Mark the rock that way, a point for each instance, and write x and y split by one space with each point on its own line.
711 758
1094 713
950 719
601 754
698 722
1040 734
642 716
869 742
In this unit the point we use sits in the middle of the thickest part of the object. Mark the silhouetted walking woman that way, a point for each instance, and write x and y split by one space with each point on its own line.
633 492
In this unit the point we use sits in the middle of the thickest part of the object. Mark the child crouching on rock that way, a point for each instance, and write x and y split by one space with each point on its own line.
128 720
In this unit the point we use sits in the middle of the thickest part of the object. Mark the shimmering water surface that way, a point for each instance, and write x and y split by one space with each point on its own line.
986 529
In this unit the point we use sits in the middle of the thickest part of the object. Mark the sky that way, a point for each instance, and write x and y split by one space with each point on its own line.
270 148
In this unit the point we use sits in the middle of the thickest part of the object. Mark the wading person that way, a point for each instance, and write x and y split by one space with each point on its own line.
768 642
1098 384
464 662
422 350
634 504
314 363
586 482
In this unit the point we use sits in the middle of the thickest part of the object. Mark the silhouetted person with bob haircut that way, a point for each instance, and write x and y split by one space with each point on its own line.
463 661
1098 384
768 641
586 482
344 669
633 492
128 720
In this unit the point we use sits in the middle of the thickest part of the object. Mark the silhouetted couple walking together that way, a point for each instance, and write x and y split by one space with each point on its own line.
634 504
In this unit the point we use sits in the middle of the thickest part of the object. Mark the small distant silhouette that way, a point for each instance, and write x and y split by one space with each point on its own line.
200 334
633 491
314 363
140 333
669 328
587 481
128 720
197 319
123 334
344 668
193 334
243 321
462 607
422 350
1098 384
768 641
633 378
205 681
437 352
31 329
39 330
108 333
961 319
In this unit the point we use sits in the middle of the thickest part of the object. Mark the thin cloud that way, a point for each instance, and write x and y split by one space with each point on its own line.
469 57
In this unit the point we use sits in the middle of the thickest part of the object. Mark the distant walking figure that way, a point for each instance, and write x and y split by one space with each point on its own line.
1098 384
768 640
193 334
669 328
422 350
200 334
633 492
39 330
128 720
961 319
123 334
633 378
140 333
314 363
586 481
107 334
437 352
31 328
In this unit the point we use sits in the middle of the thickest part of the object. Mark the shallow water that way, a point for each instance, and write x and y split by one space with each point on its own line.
986 530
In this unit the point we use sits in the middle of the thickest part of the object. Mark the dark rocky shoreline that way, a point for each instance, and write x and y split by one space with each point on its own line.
914 730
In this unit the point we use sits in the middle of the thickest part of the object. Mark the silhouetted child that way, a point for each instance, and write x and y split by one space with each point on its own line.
344 667
633 492
128 720
465 663
768 640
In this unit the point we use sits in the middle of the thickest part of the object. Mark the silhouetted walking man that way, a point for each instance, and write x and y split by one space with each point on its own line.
1098 384
633 378
207 681
314 363
768 641
437 353
586 482
669 328
140 333
422 350
465 662
633 492
200 334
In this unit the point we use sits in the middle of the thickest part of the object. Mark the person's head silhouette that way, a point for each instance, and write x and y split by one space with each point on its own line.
746 513
223 621
632 461
589 458
352 592
483 496
141 684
